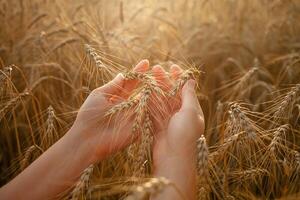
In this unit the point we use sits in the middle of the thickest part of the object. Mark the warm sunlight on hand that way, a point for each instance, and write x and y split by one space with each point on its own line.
174 155
105 136
183 121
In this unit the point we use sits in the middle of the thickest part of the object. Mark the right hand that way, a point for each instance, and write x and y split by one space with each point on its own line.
184 127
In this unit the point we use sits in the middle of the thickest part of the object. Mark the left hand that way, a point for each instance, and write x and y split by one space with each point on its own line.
106 136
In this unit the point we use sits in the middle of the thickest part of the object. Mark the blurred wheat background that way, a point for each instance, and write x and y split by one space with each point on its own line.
249 52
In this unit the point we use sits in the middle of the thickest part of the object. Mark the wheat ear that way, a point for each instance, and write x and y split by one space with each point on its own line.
202 167
153 187
83 183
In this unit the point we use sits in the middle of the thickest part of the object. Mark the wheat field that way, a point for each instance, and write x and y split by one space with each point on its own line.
245 56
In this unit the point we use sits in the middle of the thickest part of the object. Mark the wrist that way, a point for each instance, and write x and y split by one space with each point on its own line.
180 169
163 151
78 145
88 143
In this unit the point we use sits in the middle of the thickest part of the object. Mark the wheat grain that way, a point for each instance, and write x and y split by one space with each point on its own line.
153 187
202 194
97 59
50 136
122 106
83 182
144 147
29 155
11 104
250 174
238 122
287 104
279 137
202 161
184 77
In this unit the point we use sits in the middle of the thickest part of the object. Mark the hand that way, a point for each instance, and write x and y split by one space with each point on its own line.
174 150
187 125
181 125
169 105
91 138
105 136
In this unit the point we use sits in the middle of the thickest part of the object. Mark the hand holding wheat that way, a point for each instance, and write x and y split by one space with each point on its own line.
90 139
177 143
105 135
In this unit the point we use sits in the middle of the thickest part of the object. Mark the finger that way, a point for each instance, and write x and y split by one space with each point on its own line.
161 77
130 85
175 71
112 87
142 66
189 98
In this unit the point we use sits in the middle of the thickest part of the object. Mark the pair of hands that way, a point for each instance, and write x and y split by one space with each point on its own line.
91 139
175 131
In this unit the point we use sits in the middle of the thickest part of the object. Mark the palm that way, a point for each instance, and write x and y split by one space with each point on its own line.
107 134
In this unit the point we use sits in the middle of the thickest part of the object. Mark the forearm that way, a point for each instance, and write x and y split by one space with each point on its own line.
180 169
52 173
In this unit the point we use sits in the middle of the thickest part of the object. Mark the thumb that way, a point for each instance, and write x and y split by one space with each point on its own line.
189 98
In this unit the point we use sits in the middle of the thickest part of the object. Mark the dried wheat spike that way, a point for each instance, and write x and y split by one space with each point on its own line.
231 139
278 138
149 86
153 187
250 174
5 73
50 136
244 80
238 122
286 105
203 194
93 54
131 75
11 104
142 109
202 162
50 119
28 156
122 106
144 147
297 160
83 182
146 79
184 77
